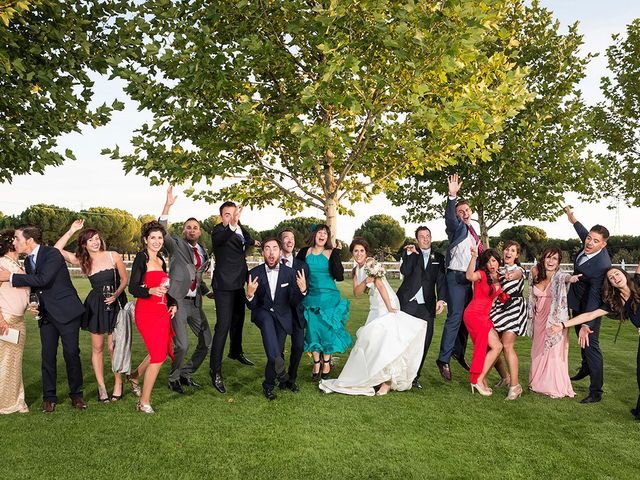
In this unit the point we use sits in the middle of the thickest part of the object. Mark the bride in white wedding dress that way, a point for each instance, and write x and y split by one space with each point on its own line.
389 346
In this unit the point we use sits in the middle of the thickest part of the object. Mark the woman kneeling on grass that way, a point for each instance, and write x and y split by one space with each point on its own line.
621 296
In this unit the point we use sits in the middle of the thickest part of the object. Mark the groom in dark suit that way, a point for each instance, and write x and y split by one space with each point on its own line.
60 310
585 295
187 263
273 294
423 290
230 242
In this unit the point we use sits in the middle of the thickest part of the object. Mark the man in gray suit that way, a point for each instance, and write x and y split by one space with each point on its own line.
187 263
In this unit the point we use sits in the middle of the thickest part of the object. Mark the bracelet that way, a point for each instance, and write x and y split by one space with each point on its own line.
563 325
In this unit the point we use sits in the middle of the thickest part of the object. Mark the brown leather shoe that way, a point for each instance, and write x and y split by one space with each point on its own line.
79 403
445 370
48 406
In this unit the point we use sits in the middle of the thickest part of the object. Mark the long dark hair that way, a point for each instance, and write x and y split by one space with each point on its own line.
612 296
541 275
483 260
82 254
312 238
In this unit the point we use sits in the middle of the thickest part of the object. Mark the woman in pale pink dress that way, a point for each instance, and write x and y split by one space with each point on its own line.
549 372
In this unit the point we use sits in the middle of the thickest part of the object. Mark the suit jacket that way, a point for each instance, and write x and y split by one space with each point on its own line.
432 279
59 301
230 272
287 296
297 266
182 267
586 294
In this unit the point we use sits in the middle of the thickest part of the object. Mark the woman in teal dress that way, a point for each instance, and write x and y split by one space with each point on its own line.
325 311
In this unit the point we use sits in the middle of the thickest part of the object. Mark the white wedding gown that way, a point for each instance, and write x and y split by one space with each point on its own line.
388 348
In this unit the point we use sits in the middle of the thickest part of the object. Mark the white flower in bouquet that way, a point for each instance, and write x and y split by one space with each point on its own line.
373 268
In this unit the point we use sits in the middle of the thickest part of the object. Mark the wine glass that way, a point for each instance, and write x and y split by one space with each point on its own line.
34 303
164 284
107 292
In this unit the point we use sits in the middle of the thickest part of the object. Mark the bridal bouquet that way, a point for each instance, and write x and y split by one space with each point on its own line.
373 268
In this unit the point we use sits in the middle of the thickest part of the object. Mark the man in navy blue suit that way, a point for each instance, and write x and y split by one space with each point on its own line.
273 293
462 236
591 265
288 242
60 310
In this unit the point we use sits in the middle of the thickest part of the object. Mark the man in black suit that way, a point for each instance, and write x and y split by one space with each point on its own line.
585 295
423 288
288 244
273 293
60 310
230 243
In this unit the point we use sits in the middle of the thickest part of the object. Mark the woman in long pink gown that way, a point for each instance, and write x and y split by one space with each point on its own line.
549 374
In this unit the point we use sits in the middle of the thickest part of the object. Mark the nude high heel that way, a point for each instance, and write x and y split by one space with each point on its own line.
514 392
141 407
485 392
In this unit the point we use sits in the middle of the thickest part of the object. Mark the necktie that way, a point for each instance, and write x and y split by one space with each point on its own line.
583 258
476 238
196 255
32 262
285 260
425 258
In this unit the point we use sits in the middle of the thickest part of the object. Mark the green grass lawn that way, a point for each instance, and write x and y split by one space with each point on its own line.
442 431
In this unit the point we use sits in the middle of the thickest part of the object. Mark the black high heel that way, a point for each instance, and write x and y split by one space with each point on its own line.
325 375
315 376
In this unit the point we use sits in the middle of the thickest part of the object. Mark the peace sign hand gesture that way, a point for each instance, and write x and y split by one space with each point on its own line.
252 286
301 280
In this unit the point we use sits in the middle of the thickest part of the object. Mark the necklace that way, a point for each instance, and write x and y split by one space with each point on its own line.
12 261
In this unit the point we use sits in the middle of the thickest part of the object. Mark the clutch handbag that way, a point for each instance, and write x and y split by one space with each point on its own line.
11 335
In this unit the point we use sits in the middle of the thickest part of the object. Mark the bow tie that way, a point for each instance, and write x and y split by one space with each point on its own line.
274 269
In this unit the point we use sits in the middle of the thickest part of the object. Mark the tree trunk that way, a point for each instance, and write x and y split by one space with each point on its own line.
484 231
331 215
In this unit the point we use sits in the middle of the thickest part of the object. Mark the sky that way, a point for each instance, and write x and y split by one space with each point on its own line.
94 180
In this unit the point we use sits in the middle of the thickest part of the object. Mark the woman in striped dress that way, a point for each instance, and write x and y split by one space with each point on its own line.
510 318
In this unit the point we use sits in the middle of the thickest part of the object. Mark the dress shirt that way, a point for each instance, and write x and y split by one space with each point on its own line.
583 257
461 254
272 278
419 296
192 292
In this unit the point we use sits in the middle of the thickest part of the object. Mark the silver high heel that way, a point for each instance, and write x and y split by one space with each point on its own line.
481 389
514 392
141 407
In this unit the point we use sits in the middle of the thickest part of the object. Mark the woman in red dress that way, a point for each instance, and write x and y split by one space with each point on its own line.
486 342
154 310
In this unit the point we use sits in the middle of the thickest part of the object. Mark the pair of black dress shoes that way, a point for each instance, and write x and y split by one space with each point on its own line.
176 385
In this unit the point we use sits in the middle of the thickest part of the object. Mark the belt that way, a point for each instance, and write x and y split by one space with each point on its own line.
190 298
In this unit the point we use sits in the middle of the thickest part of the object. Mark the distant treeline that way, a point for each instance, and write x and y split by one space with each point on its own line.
386 236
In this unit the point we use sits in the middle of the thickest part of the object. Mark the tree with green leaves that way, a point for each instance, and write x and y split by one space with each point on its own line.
313 103
616 120
118 228
532 240
544 150
54 221
48 51
383 233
